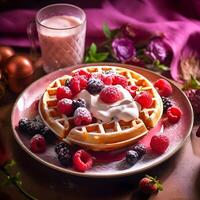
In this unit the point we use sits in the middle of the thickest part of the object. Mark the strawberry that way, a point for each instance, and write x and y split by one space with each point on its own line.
159 143
150 185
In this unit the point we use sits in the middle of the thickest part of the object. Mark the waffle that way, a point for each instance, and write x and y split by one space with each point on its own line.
101 136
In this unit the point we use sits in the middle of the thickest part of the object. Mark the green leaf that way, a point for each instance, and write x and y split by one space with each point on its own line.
160 67
9 165
193 83
101 56
93 49
6 182
106 31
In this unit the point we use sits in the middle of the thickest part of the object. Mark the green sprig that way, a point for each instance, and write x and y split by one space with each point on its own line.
193 83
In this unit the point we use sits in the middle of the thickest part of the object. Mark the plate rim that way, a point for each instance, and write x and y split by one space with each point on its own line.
112 175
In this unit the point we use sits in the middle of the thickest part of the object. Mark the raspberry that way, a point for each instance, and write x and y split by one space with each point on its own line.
63 92
140 149
120 80
144 99
107 79
132 157
150 185
82 72
94 86
82 116
110 94
31 127
166 103
97 75
132 89
164 88
78 103
38 144
64 106
82 161
174 114
77 83
159 143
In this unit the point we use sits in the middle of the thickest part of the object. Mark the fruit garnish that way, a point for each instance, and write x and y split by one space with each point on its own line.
163 87
82 72
159 143
140 149
144 99
82 161
107 79
78 103
63 92
82 116
166 103
95 86
64 106
132 89
174 114
132 157
64 154
150 185
77 83
120 80
38 144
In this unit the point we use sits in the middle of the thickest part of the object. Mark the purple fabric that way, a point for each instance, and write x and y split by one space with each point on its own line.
147 16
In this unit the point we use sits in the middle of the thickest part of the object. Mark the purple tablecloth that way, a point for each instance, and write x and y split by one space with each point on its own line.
177 20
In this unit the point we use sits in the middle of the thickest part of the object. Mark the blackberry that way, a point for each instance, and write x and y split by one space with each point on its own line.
31 127
94 86
48 134
132 157
64 154
78 103
166 103
140 149
61 145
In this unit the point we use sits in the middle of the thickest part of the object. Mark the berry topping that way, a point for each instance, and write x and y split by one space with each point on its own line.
132 89
150 185
78 103
38 144
140 149
82 116
159 143
94 86
110 94
108 79
144 99
63 92
61 145
166 103
174 114
163 87
64 106
64 153
77 83
31 127
82 72
132 157
82 161
120 80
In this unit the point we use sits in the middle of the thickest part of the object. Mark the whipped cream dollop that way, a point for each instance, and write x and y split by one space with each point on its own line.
125 109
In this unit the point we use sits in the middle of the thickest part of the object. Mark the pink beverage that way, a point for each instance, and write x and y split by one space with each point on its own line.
61 36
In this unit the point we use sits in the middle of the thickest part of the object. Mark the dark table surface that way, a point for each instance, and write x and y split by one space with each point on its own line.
180 175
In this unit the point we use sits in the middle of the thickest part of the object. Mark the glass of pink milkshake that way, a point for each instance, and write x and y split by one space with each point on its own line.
61 29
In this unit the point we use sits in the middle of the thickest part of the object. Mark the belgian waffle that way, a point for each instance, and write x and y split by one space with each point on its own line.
101 136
